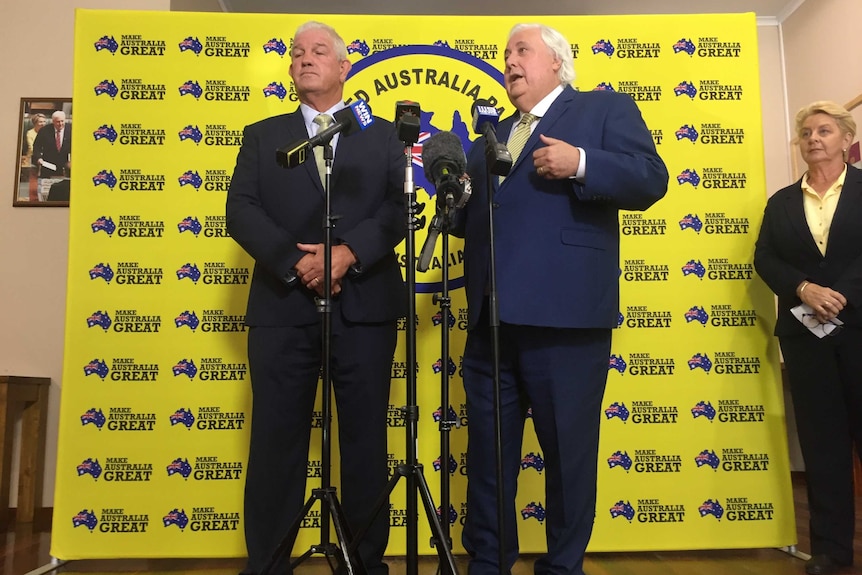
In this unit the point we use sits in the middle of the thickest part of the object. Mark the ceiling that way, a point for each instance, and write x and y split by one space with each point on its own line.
766 10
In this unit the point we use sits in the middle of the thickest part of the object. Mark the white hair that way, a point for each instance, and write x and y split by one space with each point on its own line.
337 42
557 45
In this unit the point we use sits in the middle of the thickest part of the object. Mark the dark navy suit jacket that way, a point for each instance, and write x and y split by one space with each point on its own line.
270 209
557 241
786 255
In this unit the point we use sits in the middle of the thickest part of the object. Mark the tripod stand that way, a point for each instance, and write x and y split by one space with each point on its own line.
445 424
440 223
331 512
407 122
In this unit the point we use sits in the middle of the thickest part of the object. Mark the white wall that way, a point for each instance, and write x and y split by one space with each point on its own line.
773 109
822 47
33 241
36 40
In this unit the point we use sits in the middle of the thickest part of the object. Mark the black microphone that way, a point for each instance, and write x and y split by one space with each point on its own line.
355 117
424 260
445 165
407 121
485 118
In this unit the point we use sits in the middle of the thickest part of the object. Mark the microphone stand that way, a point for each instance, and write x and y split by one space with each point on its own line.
343 551
413 470
496 168
446 424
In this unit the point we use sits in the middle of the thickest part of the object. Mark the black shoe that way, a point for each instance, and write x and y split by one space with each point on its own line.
820 565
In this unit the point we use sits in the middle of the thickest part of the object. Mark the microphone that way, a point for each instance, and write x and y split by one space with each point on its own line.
351 119
407 121
485 118
445 164
424 260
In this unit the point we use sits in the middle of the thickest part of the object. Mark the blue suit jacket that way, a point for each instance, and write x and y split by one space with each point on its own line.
557 241
270 209
786 255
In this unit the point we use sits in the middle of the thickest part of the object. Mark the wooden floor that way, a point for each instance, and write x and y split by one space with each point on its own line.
24 551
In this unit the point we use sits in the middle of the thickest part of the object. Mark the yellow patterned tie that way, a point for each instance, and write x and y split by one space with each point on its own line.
323 121
519 137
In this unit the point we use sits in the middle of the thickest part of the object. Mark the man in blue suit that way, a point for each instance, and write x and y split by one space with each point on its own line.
585 156
277 216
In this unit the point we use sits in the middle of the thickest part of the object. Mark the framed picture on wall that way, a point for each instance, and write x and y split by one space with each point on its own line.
854 155
44 159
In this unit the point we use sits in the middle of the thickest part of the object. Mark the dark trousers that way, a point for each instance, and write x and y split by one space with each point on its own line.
284 364
561 375
826 386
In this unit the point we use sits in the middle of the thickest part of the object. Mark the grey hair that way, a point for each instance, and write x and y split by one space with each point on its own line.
337 42
557 45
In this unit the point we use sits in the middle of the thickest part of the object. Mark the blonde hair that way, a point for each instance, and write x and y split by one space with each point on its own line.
37 117
842 117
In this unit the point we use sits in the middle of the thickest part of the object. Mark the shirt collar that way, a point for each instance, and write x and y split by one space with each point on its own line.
309 114
837 185
544 104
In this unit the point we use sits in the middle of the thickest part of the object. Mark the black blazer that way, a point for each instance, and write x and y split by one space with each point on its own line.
269 209
785 254
45 148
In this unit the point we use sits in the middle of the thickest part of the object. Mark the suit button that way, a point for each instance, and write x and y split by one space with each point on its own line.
495 205
823 265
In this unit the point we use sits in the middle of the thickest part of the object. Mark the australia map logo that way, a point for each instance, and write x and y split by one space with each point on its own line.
684 45
106 43
603 47
617 409
275 46
685 88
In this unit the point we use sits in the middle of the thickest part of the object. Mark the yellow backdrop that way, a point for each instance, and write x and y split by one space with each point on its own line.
155 405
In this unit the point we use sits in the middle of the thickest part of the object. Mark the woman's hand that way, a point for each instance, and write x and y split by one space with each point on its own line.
826 302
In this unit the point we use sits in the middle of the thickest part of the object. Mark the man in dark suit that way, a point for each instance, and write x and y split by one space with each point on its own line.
277 216
53 146
556 238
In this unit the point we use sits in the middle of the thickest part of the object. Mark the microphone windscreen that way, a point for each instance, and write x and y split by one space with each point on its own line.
483 112
443 151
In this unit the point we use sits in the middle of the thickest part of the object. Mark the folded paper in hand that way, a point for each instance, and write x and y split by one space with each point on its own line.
805 314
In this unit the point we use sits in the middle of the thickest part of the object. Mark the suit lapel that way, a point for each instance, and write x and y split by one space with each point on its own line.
849 205
549 119
347 147
795 208
296 131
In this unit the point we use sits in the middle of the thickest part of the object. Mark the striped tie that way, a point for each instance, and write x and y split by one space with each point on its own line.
520 136
323 121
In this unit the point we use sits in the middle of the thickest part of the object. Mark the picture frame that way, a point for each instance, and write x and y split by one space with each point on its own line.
43 163
854 154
